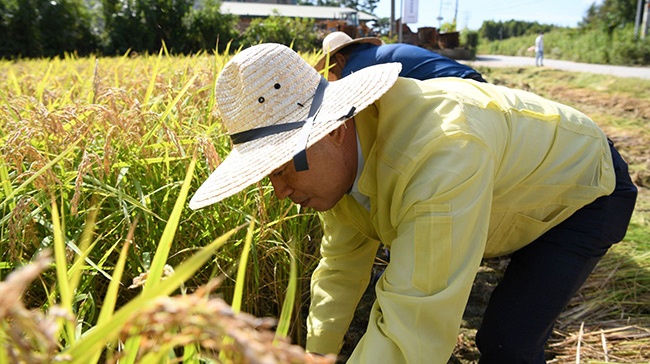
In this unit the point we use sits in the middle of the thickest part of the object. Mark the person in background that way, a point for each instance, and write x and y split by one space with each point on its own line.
539 50
347 55
444 172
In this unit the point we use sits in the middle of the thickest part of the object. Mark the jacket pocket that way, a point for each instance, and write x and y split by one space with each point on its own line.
526 228
432 253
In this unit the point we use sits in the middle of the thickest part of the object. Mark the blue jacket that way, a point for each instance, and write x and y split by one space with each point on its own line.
417 62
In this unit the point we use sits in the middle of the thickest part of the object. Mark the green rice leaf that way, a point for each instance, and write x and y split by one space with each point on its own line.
241 270
65 292
284 323
97 337
152 81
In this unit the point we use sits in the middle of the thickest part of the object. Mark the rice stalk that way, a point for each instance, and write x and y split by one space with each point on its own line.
152 81
27 335
108 305
162 252
241 269
177 321
63 283
284 322
41 172
98 336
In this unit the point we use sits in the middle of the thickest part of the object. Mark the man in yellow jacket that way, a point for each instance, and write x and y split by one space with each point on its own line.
443 172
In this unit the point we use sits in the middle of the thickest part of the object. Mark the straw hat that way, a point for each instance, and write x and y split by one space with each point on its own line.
336 41
274 106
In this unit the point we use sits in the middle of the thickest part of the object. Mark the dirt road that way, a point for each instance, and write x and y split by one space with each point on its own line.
488 60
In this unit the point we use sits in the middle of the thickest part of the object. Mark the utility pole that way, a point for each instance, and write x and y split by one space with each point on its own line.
391 30
646 20
637 21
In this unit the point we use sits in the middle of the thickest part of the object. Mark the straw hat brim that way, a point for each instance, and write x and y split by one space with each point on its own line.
250 162
321 62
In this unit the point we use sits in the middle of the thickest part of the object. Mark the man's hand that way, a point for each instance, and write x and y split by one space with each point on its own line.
315 358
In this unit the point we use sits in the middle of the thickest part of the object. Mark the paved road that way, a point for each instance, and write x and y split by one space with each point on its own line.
508 61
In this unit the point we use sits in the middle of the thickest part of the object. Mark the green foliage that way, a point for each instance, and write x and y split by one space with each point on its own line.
609 15
382 26
589 45
144 25
368 6
114 137
65 26
493 30
164 19
35 28
122 28
22 35
448 27
207 26
284 30
469 39
32 28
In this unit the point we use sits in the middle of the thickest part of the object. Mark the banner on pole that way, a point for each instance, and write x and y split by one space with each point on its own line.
410 11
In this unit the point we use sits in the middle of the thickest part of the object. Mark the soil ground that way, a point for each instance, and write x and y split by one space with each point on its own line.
614 339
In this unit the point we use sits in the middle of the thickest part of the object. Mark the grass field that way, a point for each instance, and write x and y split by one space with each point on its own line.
98 159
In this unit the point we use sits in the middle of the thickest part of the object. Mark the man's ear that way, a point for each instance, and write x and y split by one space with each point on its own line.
338 135
340 60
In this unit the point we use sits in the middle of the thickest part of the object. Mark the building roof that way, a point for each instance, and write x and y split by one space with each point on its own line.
296 11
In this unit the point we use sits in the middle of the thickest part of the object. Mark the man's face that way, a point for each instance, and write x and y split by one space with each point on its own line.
331 173
337 63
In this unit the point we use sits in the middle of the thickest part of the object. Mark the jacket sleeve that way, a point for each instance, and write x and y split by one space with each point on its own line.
441 210
338 282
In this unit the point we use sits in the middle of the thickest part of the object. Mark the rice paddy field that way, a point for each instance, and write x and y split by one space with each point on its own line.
102 260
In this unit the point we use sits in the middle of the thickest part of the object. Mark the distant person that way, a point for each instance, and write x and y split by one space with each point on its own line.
539 50
348 55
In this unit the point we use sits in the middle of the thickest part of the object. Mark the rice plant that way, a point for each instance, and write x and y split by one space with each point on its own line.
98 157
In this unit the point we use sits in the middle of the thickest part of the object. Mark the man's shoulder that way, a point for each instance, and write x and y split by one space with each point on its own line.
409 52
403 47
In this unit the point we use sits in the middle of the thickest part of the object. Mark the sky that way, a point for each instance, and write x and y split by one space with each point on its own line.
472 13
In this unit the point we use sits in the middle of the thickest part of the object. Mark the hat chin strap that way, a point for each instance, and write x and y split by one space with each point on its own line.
300 157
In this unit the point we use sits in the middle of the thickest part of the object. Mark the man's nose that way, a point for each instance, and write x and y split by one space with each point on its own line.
281 189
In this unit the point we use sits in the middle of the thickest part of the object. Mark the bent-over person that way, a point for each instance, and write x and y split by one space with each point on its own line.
443 172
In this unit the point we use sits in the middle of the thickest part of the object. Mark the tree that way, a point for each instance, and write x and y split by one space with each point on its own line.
283 30
609 15
164 19
207 26
64 26
382 26
512 28
22 37
123 29
36 28
143 25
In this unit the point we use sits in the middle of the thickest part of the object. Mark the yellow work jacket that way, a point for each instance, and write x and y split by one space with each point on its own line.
455 170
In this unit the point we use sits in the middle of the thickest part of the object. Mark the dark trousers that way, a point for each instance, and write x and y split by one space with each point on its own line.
542 277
